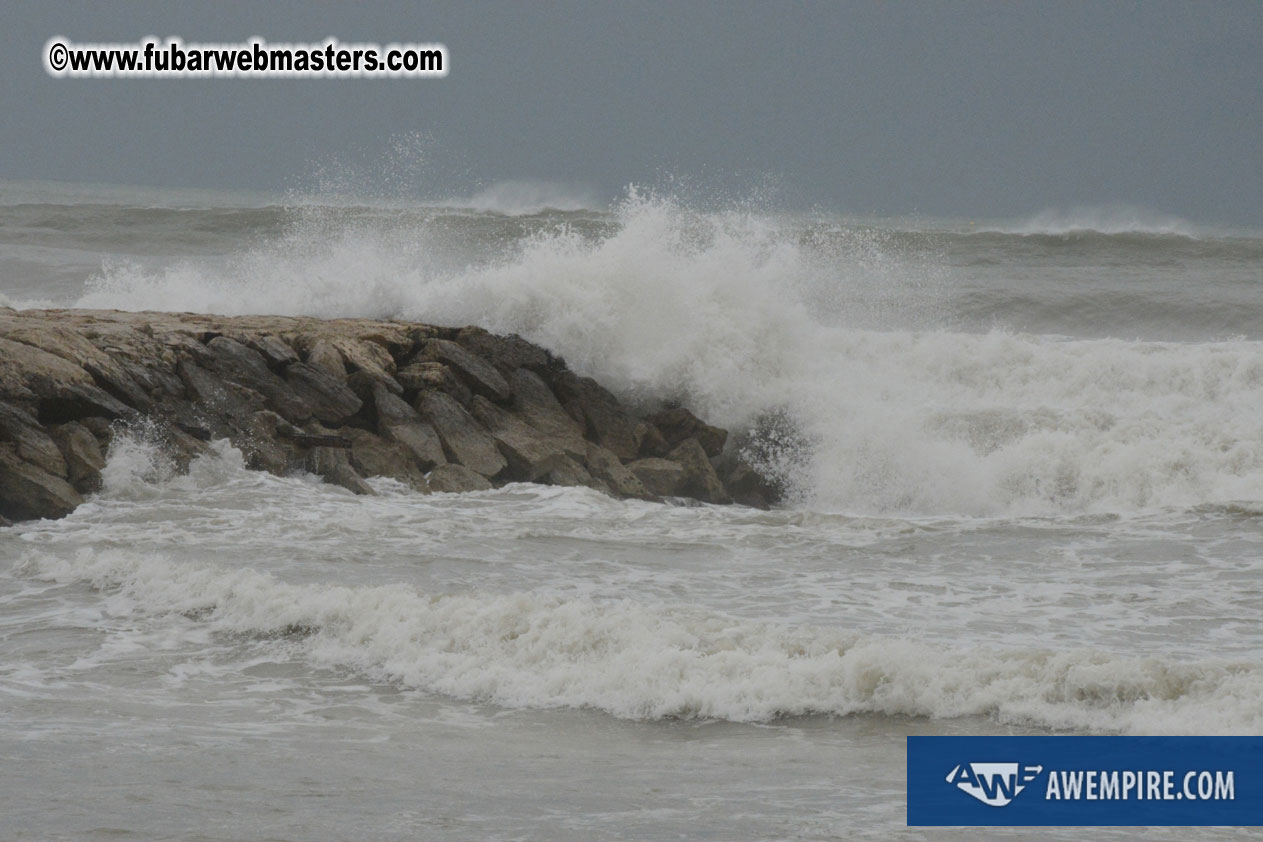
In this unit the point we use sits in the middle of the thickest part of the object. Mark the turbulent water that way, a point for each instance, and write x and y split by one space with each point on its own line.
1026 475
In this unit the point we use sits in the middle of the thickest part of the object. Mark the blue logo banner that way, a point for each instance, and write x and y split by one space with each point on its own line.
1047 781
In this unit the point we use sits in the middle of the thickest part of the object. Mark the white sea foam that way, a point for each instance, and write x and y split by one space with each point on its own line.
738 315
650 661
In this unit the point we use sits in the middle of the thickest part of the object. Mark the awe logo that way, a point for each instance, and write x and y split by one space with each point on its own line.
994 784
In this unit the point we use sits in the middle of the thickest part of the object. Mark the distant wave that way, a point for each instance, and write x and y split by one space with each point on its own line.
528 197
112 230
654 661
1108 219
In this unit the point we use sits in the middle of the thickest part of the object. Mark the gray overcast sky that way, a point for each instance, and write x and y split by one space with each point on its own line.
986 109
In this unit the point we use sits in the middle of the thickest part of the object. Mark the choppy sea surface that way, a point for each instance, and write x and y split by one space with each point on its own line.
1026 498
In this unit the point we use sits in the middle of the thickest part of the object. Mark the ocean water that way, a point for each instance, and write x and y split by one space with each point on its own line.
1026 475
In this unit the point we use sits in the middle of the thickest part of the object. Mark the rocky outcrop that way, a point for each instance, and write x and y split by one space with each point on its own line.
465 441
662 477
27 491
455 479
700 480
622 481
678 425
82 453
604 419
439 409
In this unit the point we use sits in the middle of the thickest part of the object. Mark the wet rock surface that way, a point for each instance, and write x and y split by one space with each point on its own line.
440 409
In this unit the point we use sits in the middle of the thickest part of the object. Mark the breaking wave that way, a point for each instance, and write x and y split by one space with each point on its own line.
654 661
837 330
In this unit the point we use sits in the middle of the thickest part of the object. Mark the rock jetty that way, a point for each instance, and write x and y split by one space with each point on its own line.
442 409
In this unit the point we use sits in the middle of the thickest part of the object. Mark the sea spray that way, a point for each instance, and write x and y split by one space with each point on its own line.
829 327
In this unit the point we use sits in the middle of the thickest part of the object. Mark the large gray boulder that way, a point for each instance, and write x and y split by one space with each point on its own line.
457 479
27 492
507 352
567 472
536 404
650 440
371 456
428 375
747 486
274 351
266 442
218 397
333 465
77 350
422 442
82 453
608 422
529 452
662 477
622 480
357 355
400 423
480 376
328 399
328 359
465 442
30 442
244 366
364 384
700 480
677 425
62 390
